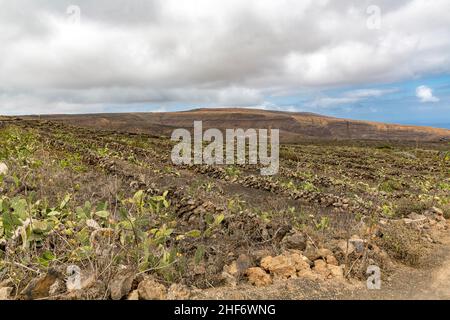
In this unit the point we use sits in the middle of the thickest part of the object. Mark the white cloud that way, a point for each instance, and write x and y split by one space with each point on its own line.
425 94
349 97
369 93
211 51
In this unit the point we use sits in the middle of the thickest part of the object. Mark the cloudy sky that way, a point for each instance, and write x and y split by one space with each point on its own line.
376 60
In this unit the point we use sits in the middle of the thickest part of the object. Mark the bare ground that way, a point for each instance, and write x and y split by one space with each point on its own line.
417 284
406 283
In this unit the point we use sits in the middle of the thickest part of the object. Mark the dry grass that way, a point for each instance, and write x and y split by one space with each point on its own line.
403 243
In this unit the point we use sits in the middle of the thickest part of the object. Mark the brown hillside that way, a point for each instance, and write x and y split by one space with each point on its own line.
293 126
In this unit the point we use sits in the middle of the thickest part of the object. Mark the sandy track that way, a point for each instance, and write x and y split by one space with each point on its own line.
431 282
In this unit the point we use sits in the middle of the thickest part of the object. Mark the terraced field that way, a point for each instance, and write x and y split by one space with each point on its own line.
113 207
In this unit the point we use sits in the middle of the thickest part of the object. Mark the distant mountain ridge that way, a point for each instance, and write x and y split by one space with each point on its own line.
294 126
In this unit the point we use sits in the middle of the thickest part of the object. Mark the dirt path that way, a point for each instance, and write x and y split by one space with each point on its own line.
435 283
439 287
429 283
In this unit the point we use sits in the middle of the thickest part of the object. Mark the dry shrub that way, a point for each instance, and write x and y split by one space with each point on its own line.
446 210
403 243
406 206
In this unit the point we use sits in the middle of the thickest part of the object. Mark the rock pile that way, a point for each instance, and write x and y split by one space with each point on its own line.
312 263
3 169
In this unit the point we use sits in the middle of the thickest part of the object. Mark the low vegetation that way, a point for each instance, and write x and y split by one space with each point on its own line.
106 202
